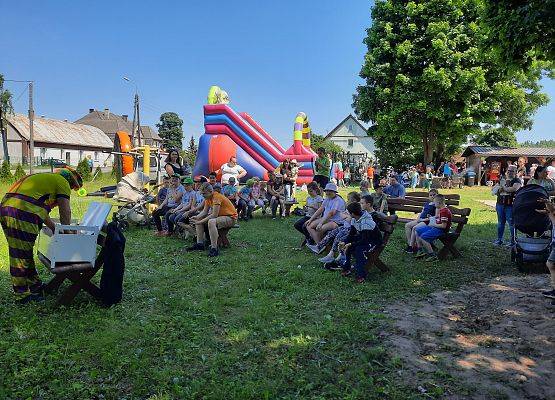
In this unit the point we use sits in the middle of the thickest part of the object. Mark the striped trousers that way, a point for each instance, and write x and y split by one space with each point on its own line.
21 229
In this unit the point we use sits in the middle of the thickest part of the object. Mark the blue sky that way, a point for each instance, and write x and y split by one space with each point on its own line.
273 58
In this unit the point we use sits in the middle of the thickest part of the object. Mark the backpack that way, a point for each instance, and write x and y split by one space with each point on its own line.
111 281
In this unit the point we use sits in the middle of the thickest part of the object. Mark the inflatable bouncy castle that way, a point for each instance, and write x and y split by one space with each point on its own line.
228 133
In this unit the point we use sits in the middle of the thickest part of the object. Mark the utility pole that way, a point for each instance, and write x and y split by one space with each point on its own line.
31 135
2 131
139 130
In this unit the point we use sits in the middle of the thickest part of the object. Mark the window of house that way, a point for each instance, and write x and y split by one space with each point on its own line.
350 127
96 156
350 142
81 152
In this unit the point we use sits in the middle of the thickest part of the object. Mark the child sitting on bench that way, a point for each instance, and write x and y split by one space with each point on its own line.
428 210
230 191
437 227
363 237
244 204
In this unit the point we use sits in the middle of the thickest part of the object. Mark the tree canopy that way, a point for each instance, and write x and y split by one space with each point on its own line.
170 129
317 141
429 84
521 30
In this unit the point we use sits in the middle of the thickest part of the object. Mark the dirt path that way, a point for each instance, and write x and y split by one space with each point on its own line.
496 339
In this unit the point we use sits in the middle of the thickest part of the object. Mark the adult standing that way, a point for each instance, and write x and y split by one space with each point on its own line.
370 175
232 169
174 164
328 216
505 192
541 178
322 168
218 213
23 211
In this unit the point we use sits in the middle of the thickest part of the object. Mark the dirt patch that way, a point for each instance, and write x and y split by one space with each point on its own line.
493 340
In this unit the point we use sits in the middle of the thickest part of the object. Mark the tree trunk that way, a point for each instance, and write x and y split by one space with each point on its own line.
428 149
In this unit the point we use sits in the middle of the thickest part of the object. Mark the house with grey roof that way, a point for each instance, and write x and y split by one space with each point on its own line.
62 140
111 123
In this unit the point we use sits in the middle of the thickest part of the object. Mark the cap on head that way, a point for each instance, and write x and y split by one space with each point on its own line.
188 181
331 187
72 176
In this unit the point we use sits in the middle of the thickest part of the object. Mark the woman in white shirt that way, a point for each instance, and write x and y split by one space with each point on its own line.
232 169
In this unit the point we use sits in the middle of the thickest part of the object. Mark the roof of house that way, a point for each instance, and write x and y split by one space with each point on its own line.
332 132
487 151
149 133
106 121
60 132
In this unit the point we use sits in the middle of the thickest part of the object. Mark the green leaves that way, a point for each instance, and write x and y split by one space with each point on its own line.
430 81
170 129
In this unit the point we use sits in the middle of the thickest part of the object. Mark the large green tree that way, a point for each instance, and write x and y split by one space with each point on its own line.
170 129
6 108
429 84
521 30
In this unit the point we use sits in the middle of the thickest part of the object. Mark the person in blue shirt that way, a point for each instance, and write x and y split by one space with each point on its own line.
428 210
395 189
244 204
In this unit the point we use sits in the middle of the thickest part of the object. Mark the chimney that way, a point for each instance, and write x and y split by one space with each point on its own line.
107 112
43 116
65 120
125 116
91 110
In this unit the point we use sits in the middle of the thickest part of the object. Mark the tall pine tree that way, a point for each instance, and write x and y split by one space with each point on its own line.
191 151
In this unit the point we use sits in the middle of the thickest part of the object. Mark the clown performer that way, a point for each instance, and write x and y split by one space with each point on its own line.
23 211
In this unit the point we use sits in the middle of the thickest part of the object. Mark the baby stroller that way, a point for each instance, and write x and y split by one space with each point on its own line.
532 230
132 193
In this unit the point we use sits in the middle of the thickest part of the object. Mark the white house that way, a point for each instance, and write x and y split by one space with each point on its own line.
353 138
56 139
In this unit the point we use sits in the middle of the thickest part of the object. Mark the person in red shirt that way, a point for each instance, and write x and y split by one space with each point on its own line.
437 227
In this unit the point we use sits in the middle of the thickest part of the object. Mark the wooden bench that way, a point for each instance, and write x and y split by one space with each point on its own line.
459 220
451 199
387 226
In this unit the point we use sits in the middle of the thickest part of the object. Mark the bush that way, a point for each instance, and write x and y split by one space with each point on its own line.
84 170
6 173
19 172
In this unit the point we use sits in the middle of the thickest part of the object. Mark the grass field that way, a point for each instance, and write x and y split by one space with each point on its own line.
261 321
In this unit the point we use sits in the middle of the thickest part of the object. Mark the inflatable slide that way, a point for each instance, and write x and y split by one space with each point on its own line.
228 133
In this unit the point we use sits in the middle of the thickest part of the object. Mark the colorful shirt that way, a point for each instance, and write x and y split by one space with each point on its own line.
396 190
188 196
227 209
428 209
313 204
37 193
336 204
229 190
245 193
173 195
322 166
444 217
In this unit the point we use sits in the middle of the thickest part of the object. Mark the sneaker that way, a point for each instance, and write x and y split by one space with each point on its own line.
158 233
498 242
409 250
326 259
315 248
420 254
33 297
346 273
332 266
196 246
509 244
550 294
165 233
213 252
431 258
361 280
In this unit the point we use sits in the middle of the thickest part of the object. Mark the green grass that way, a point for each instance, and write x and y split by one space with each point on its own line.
261 321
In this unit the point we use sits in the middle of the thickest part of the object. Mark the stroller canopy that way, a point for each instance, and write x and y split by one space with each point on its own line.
525 217
129 189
